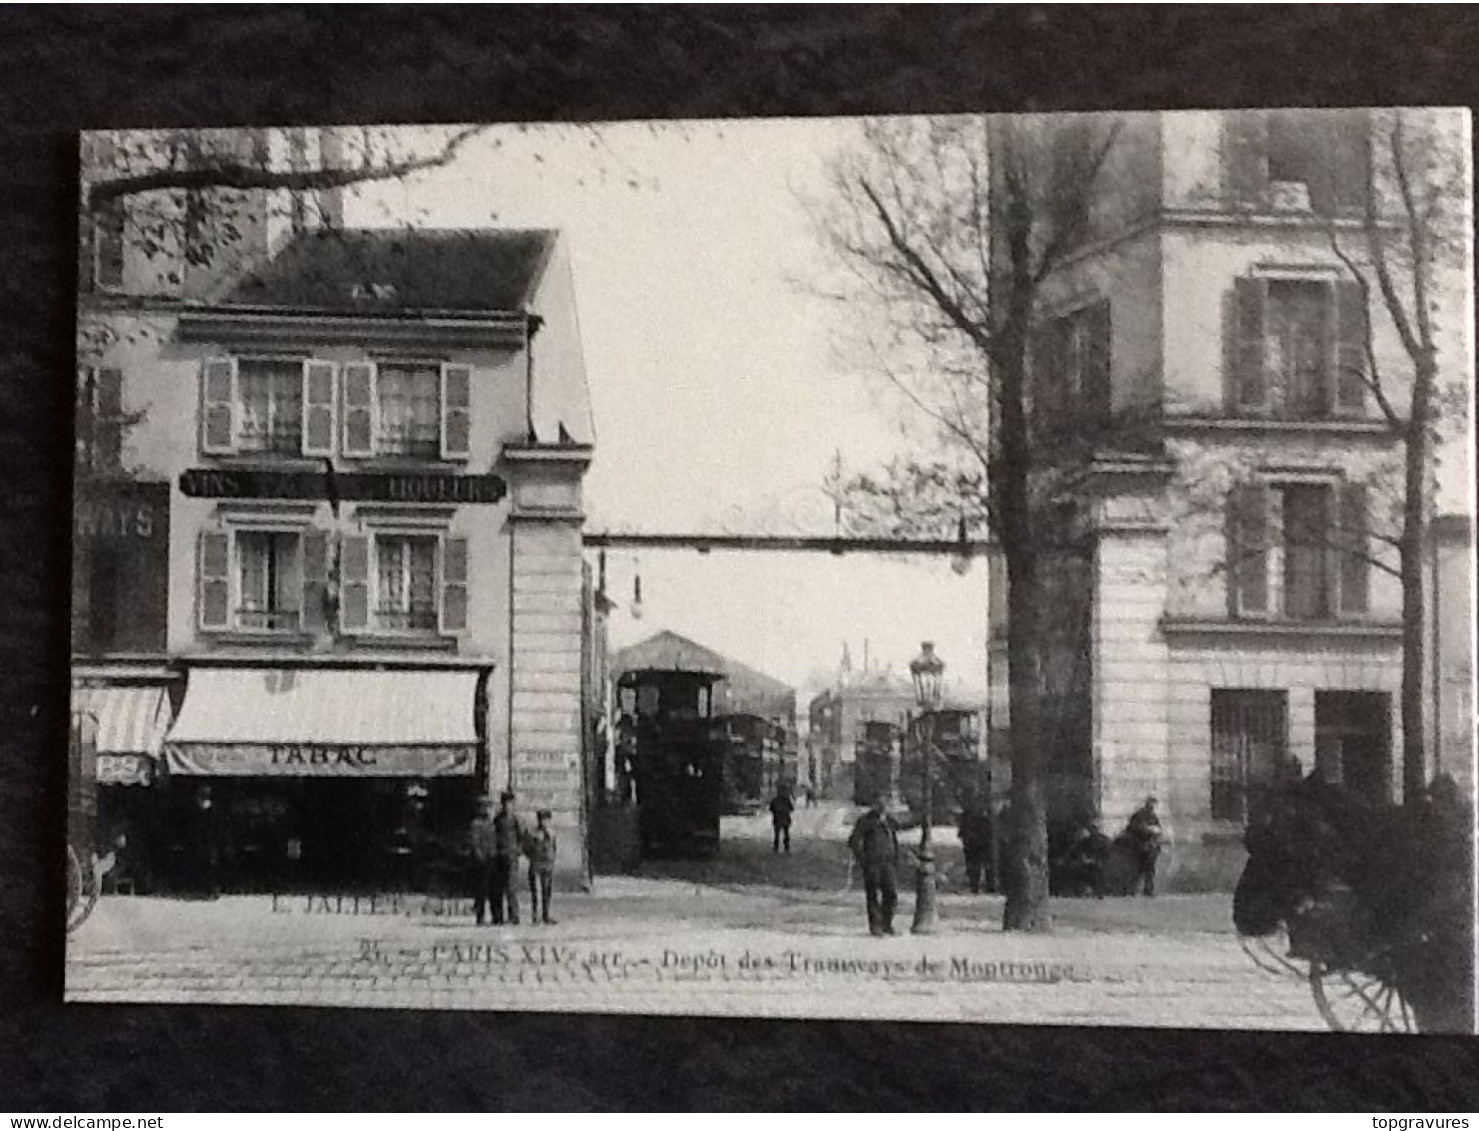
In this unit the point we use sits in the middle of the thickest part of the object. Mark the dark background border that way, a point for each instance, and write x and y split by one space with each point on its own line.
67 69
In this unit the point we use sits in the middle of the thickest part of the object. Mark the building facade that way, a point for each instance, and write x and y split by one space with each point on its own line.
371 445
1240 611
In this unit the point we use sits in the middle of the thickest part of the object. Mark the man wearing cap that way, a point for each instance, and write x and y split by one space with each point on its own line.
875 845
508 841
1144 835
540 848
484 850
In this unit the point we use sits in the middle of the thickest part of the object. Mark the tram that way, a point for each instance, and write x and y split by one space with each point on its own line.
678 760
873 754
958 774
747 768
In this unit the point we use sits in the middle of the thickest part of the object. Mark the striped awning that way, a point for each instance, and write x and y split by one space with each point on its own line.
131 723
314 722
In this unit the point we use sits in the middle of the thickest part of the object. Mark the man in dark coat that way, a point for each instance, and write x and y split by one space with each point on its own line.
540 847
875 845
1144 835
508 842
975 842
484 850
781 808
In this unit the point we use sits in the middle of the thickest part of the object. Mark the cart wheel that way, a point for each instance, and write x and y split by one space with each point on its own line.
1352 1001
84 886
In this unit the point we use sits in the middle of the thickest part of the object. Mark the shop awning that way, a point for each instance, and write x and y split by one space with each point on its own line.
314 722
131 723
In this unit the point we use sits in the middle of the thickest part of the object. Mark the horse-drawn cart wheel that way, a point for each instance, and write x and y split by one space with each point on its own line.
1353 1001
84 886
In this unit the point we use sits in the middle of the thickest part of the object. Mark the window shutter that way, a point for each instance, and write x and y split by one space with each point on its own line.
1247 551
354 583
318 408
1250 352
359 408
218 405
215 580
1097 371
315 579
1350 161
454 585
1355 567
1245 157
1048 374
108 427
456 411
1350 347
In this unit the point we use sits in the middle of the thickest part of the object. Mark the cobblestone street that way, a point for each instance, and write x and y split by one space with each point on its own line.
668 946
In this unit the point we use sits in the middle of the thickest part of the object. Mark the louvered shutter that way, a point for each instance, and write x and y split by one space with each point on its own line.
318 408
1249 385
1095 362
456 411
1351 363
1350 161
354 583
108 427
218 405
1354 543
315 579
454 585
214 576
359 408
1245 157
1247 550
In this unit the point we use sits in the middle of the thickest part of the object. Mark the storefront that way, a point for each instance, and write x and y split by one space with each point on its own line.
324 779
130 723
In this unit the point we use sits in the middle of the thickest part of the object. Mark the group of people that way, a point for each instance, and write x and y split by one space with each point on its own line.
498 840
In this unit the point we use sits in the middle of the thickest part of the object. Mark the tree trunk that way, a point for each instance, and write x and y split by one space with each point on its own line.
1025 872
1413 557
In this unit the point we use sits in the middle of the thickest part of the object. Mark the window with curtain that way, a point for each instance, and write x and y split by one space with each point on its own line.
409 397
270 405
406 582
269 582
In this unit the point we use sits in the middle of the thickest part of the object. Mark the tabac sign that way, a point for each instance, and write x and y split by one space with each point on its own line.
349 487
315 760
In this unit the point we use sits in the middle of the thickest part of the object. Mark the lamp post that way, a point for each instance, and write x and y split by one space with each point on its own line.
928 671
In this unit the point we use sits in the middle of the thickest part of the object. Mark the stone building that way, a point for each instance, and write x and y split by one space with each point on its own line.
368 448
1236 611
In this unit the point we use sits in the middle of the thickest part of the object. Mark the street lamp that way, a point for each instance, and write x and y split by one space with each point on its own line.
928 671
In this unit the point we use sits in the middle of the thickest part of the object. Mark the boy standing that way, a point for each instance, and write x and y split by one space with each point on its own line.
540 848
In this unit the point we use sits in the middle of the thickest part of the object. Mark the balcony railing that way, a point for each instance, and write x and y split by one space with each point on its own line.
255 619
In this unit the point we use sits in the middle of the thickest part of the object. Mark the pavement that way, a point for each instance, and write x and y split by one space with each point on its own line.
672 945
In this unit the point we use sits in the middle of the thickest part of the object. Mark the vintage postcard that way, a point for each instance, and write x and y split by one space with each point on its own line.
988 568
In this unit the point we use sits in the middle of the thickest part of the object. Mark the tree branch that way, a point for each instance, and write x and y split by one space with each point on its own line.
1372 380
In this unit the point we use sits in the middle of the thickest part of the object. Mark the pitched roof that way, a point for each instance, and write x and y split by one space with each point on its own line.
389 270
667 650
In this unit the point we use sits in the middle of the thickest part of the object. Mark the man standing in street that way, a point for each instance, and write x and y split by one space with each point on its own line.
508 842
975 842
875 845
781 808
484 850
1144 835
540 848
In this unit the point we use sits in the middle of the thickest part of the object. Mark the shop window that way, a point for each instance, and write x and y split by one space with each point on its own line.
1249 750
1298 550
1298 348
1070 363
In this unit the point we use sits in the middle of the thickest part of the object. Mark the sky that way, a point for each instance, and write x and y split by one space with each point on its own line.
718 396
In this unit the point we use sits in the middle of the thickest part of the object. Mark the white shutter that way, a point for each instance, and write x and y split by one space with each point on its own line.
456 411
218 405
359 408
453 610
318 408
214 579
354 583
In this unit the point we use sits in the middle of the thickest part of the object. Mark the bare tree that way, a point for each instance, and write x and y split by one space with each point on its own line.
952 227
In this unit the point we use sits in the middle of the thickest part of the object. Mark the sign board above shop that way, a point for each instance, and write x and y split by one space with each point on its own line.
349 486
319 760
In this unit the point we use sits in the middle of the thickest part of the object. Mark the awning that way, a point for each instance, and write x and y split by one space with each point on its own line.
314 722
131 724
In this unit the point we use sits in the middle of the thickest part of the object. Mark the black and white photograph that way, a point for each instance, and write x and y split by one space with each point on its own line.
1002 568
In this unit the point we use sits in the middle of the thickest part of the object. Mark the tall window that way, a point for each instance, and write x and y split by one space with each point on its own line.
99 420
1250 754
1071 369
406 582
1298 348
410 405
1298 550
270 400
269 581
